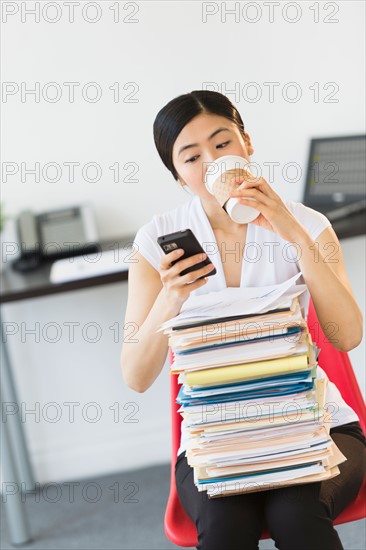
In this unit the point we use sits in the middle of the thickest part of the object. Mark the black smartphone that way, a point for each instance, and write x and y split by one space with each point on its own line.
186 240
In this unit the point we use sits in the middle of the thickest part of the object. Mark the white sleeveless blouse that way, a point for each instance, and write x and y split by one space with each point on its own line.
267 260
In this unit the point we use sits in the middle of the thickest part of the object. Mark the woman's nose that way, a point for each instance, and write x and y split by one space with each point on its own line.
208 161
207 165
208 169
216 156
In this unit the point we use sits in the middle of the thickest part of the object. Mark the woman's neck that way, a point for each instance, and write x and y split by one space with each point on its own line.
219 219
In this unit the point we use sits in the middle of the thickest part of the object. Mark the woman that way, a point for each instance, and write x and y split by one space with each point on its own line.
189 132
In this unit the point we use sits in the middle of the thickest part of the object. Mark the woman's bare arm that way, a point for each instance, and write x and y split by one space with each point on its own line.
144 351
322 266
153 298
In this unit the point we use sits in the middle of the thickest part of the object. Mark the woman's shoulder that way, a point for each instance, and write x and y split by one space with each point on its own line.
313 221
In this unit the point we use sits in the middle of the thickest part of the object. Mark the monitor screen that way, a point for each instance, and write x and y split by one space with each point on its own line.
336 172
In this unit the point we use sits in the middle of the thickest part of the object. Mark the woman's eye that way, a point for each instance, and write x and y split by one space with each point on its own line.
218 146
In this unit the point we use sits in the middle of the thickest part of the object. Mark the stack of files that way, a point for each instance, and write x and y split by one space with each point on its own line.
251 401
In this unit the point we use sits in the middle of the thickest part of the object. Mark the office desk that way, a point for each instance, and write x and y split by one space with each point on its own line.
16 466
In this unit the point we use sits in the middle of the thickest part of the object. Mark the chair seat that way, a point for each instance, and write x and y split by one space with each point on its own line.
180 529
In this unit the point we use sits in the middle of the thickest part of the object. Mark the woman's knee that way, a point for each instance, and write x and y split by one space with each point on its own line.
229 522
232 522
296 518
289 506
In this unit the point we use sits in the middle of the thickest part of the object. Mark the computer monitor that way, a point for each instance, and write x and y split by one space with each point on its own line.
336 172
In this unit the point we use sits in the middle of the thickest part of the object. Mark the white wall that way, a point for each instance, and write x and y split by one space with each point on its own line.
168 51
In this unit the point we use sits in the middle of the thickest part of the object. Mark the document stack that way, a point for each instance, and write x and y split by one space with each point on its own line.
251 400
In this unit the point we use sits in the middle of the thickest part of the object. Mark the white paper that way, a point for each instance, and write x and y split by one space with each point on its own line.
235 301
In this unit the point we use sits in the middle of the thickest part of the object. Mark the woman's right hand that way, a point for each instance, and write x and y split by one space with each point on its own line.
178 287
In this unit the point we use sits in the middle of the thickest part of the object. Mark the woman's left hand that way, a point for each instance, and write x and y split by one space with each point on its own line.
274 214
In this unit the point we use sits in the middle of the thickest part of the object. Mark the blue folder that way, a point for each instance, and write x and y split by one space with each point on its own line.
298 387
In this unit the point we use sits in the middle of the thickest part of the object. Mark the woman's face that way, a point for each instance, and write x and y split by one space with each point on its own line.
208 137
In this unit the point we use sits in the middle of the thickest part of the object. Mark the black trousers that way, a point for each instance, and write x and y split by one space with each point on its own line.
298 516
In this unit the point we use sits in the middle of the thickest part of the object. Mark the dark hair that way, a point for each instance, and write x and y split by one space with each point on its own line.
172 118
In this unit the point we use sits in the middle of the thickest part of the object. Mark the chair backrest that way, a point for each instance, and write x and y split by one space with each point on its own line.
178 527
338 367
175 416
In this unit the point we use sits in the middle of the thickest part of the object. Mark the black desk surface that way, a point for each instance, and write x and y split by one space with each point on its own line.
16 286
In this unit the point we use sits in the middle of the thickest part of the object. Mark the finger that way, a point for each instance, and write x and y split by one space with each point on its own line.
167 259
178 285
263 208
191 260
260 183
183 264
254 193
268 189
251 180
197 273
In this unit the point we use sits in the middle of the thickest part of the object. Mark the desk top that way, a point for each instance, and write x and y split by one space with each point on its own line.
15 286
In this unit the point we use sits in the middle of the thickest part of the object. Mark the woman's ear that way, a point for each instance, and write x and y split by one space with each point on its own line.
248 143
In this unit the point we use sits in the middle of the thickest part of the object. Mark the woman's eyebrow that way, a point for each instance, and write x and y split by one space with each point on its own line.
222 129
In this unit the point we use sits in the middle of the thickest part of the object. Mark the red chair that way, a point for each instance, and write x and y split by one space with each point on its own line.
179 528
